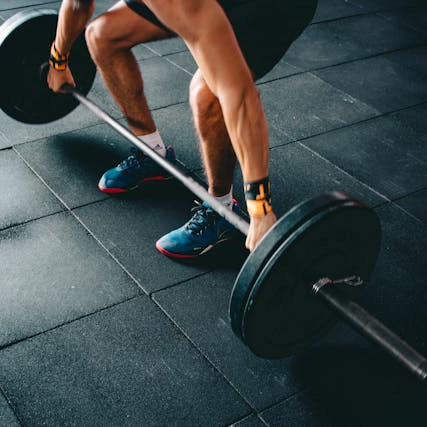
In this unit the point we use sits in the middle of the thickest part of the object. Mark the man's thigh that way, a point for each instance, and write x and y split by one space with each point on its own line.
266 28
126 24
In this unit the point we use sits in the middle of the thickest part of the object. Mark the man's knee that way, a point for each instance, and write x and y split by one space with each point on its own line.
102 37
97 35
203 102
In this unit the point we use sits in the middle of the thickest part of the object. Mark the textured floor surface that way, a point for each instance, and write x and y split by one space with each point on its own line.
98 328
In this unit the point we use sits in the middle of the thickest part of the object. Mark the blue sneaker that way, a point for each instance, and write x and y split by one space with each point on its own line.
134 171
200 234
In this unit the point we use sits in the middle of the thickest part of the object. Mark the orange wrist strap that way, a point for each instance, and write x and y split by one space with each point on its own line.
258 197
57 60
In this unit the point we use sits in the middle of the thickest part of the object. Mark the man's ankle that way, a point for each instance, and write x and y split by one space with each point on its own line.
155 141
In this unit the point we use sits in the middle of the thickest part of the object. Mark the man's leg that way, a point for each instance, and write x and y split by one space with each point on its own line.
264 30
110 39
206 228
217 152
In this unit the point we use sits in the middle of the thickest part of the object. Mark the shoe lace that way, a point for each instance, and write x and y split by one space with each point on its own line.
203 217
135 159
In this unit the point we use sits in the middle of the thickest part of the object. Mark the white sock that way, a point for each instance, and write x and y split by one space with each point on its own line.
226 200
155 141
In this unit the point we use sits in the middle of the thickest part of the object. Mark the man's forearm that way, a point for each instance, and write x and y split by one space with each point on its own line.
72 20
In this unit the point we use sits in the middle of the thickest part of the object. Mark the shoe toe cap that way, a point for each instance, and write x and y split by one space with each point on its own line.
174 243
112 179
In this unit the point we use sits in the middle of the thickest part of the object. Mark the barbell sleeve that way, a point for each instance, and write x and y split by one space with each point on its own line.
372 328
234 219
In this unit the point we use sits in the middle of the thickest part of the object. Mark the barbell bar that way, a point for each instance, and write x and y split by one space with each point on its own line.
323 249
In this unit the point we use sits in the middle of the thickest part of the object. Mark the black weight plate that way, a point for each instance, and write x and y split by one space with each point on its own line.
272 308
25 41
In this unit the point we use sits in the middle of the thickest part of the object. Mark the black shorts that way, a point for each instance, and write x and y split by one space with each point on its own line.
264 28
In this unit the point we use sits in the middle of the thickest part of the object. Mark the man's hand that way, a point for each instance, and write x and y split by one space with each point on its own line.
257 229
56 79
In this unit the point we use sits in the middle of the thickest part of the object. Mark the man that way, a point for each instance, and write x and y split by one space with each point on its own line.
233 42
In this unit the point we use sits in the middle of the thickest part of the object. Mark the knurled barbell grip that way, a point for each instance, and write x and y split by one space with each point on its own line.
372 328
188 182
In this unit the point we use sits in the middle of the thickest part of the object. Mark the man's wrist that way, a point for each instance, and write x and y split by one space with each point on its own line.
258 197
58 60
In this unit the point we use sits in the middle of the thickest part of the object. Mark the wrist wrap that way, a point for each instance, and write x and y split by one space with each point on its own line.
57 60
258 197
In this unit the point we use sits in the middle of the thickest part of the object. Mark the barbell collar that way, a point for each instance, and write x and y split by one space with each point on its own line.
200 191
371 327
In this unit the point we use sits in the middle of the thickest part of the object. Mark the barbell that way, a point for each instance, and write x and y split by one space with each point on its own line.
322 250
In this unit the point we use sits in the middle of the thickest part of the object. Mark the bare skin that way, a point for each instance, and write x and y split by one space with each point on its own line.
217 152
112 55
228 97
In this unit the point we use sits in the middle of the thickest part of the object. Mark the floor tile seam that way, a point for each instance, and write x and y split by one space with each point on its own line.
245 418
338 64
69 322
11 405
28 6
154 51
166 55
57 196
367 186
362 13
411 193
32 141
179 283
68 209
8 147
109 253
178 66
385 198
349 125
118 118
381 14
204 355
29 221
350 2
415 218
3 135
259 413
280 401
410 26
374 55
341 18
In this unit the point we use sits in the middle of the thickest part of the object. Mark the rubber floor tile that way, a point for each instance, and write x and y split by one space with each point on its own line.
52 272
416 204
129 227
304 105
379 82
335 42
7 416
72 163
380 153
127 366
24 196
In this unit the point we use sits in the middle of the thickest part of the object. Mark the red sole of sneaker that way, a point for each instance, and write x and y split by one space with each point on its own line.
172 255
111 190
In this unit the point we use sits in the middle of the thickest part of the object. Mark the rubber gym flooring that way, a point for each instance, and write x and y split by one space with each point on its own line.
97 328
